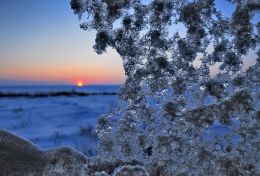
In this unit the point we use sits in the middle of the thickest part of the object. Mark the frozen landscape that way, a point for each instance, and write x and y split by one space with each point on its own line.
187 105
56 121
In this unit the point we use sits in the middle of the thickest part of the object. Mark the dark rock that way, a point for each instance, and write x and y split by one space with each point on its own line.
19 157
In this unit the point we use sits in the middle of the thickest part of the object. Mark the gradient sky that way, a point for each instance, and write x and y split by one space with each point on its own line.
40 40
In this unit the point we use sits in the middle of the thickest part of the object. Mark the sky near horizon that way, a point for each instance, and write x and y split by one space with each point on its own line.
41 42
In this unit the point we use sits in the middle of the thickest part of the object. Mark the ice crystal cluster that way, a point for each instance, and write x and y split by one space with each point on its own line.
169 104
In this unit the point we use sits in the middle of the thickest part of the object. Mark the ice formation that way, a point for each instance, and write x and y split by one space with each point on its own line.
168 106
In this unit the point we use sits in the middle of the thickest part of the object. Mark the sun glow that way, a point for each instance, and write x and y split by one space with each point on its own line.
80 84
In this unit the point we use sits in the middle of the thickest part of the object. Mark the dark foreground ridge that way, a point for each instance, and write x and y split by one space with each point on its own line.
52 94
19 157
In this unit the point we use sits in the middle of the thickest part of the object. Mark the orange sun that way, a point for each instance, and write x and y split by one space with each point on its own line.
79 83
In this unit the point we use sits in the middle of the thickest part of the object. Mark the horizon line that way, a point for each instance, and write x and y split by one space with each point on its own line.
13 82
101 84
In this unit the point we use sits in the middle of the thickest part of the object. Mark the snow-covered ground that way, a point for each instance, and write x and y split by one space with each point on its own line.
57 121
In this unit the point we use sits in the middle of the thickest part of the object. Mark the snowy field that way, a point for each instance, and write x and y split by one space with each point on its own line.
57 121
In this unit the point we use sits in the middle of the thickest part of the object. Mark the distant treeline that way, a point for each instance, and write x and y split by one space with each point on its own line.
52 94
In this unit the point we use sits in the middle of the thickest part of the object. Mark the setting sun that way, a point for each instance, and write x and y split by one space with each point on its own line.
79 83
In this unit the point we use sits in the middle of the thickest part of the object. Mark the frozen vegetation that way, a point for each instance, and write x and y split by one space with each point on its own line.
173 116
169 105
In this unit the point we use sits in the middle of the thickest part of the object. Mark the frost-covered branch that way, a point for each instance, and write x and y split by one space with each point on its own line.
168 103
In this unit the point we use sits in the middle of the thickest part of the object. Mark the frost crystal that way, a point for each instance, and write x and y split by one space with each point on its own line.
168 107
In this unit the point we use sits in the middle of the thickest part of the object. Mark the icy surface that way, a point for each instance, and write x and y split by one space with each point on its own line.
57 121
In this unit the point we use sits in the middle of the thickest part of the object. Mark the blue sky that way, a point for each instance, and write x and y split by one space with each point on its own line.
40 40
